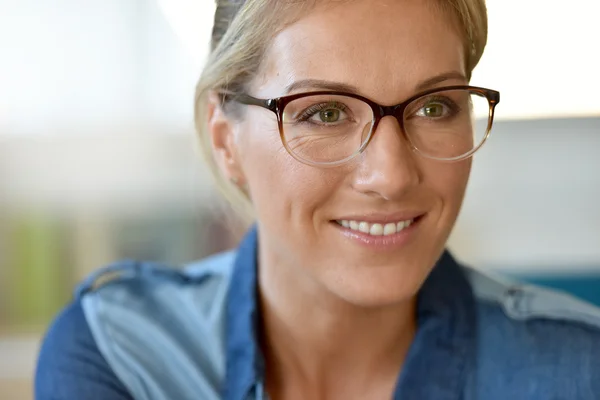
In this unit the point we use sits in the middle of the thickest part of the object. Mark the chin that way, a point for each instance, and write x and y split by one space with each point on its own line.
379 286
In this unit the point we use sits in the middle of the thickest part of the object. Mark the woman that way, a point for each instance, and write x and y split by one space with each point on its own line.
349 127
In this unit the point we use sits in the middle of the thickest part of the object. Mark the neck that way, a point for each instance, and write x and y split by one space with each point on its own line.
317 345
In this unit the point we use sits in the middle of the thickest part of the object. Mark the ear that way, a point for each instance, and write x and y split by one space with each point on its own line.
222 135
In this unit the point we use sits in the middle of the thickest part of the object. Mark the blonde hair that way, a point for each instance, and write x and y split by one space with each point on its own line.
242 31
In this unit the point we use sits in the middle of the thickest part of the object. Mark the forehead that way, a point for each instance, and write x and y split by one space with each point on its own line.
385 48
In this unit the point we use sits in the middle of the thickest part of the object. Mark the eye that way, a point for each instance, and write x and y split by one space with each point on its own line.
325 113
433 110
328 116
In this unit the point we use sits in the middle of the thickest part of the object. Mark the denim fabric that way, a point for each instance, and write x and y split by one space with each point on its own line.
581 284
70 366
176 334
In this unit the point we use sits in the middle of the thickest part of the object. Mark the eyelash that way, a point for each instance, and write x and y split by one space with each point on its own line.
452 106
312 110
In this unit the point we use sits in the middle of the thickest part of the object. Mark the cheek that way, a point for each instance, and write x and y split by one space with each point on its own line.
281 187
449 183
262 155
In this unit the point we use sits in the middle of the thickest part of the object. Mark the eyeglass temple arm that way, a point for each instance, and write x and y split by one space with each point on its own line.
269 104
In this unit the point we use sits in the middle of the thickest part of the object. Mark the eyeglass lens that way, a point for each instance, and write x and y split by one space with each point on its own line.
330 128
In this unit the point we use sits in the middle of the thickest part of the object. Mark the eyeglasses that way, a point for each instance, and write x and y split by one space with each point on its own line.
328 128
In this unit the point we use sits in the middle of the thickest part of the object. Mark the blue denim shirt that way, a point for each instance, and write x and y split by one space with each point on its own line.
144 331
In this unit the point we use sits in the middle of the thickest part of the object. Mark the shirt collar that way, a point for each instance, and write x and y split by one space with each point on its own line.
244 366
443 351
438 360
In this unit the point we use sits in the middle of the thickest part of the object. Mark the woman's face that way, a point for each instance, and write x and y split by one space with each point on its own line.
388 50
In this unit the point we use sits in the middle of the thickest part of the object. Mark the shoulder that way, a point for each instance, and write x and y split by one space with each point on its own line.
70 365
161 328
535 339
137 275
525 302
163 294
161 287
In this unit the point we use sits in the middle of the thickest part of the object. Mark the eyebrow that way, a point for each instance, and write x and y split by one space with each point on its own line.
433 81
347 88
321 84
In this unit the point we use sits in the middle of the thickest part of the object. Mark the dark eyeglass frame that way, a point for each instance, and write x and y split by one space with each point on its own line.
277 105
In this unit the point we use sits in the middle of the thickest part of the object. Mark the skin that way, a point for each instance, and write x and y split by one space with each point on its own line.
338 317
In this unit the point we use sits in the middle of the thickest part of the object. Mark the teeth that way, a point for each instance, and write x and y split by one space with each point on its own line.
376 229
389 229
364 227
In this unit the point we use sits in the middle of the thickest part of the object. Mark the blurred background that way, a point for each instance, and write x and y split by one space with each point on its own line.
98 160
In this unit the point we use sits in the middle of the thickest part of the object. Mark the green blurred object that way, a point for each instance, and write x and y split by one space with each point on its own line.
37 278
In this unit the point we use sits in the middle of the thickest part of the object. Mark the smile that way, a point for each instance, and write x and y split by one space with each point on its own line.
376 229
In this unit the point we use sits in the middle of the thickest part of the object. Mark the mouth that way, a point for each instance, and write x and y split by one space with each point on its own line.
376 228
382 234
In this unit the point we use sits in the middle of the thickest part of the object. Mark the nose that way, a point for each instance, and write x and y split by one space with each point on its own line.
387 168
